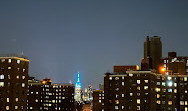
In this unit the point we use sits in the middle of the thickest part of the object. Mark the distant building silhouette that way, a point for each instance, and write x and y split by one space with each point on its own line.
152 53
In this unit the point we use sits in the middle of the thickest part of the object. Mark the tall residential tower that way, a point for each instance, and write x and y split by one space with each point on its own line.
13 83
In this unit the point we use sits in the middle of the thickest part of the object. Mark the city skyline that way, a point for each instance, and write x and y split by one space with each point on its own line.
62 38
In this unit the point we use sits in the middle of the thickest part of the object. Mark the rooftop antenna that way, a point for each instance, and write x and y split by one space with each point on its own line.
70 82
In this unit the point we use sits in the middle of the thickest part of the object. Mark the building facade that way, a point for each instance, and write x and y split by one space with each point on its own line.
175 64
98 100
48 96
13 83
145 91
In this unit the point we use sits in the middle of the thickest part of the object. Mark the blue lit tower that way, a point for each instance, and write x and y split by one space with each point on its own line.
77 96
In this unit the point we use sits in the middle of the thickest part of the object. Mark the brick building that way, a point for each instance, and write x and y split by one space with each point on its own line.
13 83
145 91
175 64
48 96
98 100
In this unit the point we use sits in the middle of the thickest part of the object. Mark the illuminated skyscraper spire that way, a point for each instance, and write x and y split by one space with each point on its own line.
78 89
78 83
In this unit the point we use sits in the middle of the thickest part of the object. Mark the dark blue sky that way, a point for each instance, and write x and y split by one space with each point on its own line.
62 37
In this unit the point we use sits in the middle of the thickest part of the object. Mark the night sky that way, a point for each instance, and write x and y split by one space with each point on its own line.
61 37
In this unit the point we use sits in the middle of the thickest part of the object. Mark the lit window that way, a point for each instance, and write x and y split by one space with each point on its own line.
122 107
130 75
157 89
170 83
181 102
18 61
8 76
9 67
175 84
158 95
17 77
169 102
117 101
145 87
31 107
158 102
8 100
138 107
146 81
169 78
110 78
131 94
138 81
169 90
138 88
116 107
185 78
122 77
123 83
158 83
2 60
9 60
1 84
163 83
23 77
185 102
1 76
116 95
164 61
138 101
7 107
99 101
122 95
23 84
163 90
16 99
175 90
23 70
36 100
16 107
117 78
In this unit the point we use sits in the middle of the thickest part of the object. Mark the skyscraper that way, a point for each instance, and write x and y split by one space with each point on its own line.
152 53
78 89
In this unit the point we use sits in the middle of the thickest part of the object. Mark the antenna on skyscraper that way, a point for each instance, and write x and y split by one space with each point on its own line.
70 82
